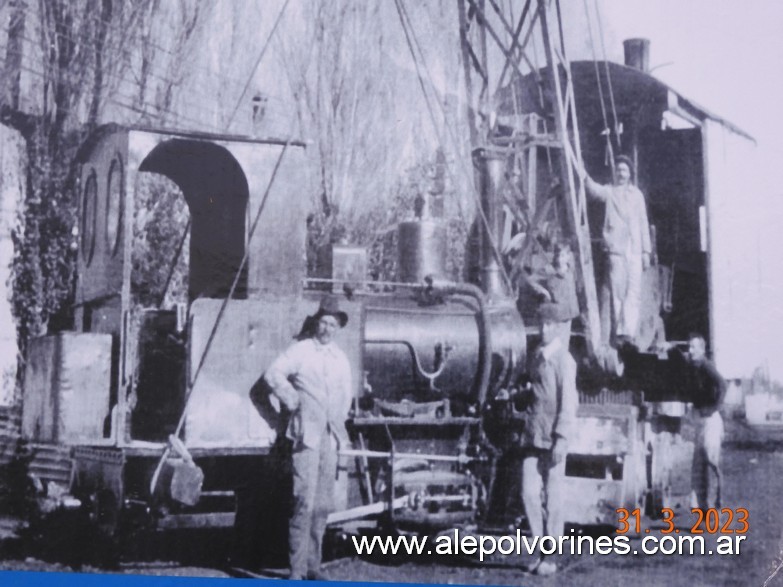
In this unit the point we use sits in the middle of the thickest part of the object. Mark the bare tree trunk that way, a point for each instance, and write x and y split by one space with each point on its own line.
176 70
12 74
147 51
100 46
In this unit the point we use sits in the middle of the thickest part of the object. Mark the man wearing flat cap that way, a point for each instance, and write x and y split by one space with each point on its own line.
626 243
312 379
550 412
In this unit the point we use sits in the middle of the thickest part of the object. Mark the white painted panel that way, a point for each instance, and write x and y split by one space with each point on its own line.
736 216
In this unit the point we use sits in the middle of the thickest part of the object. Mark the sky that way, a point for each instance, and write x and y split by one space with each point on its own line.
723 54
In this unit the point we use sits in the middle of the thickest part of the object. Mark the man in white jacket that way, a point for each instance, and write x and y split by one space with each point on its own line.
312 379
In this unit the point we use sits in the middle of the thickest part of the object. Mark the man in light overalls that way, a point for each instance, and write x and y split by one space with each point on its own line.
626 240
312 379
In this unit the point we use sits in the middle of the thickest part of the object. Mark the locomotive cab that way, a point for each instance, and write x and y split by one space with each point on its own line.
141 282
164 238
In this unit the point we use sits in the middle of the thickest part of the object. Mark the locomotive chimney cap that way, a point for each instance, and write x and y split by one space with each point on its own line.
330 306
637 54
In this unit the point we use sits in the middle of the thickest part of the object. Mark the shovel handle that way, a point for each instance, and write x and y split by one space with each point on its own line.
179 447
158 469
175 444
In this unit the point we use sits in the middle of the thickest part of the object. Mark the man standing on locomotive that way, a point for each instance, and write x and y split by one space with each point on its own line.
550 410
312 379
626 241
708 389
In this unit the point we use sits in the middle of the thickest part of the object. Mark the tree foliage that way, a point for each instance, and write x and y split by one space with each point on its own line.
341 99
160 243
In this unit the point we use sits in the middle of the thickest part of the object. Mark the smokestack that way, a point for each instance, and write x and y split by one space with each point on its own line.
490 165
637 54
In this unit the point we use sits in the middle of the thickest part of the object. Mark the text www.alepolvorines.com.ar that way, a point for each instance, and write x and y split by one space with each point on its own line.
483 545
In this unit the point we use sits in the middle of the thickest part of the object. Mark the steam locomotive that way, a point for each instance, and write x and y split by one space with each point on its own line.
155 410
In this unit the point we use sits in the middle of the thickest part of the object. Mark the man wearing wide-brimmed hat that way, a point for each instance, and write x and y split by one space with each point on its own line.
626 242
312 379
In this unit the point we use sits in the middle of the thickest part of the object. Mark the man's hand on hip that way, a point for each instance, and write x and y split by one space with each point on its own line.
292 403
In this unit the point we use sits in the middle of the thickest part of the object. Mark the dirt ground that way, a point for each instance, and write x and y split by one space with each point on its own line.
753 476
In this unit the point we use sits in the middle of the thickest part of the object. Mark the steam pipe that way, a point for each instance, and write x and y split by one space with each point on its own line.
485 331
